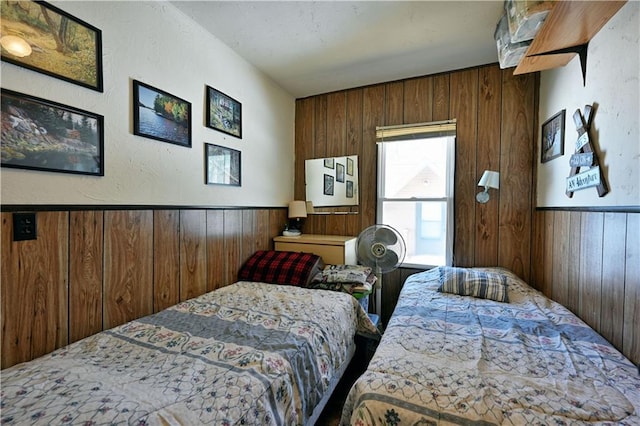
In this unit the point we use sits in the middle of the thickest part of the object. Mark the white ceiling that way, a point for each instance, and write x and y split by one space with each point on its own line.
313 47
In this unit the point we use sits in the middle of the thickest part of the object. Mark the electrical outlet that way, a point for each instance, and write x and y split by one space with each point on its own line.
24 226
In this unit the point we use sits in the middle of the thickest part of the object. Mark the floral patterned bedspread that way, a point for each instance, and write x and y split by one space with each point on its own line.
249 353
449 359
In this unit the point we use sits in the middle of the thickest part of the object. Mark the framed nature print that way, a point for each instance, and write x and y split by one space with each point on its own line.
552 145
350 166
223 113
160 115
349 189
38 134
222 165
329 163
43 38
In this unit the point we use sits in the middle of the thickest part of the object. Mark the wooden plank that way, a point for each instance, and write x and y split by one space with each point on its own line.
216 270
193 251
355 99
613 279
166 254
304 126
488 158
34 289
336 124
441 97
373 116
561 257
631 332
573 273
320 127
418 94
232 244
248 234
516 182
591 232
394 103
128 266
276 224
464 107
262 237
85 273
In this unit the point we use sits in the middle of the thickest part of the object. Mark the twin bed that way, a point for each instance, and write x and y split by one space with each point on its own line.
264 354
479 347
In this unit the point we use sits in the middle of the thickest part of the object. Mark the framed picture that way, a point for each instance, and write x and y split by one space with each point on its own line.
222 165
161 116
43 38
349 189
224 113
350 166
43 135
328 163
328 185
552 145
339 172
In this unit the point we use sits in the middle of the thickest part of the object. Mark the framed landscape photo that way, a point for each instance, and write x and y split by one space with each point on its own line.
43 38
552 145
38 134
160 115
339 172
222 165
328 185
223 113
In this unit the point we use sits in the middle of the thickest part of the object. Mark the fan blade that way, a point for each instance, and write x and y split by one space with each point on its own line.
388 261
364 252
386 236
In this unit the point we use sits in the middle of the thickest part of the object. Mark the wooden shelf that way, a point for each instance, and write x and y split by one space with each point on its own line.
569 24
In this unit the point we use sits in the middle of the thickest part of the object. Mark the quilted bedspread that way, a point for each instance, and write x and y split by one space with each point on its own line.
249 353
449 359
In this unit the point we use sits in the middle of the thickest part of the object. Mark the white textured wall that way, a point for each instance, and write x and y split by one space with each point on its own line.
612 84
155 43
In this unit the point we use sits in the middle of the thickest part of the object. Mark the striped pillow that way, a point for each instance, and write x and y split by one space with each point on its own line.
473 282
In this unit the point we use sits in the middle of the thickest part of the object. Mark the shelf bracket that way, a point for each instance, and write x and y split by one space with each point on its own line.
581 50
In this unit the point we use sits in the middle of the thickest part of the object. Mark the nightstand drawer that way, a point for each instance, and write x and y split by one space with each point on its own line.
333 249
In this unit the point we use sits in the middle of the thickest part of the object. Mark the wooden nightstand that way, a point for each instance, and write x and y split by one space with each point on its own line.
333 249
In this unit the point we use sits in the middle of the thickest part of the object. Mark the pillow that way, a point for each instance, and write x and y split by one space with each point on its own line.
344 274
473 282
281 267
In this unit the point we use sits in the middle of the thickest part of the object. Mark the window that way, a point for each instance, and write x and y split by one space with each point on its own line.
415 189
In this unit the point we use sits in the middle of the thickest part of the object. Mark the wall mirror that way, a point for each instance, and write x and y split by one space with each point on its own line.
332 182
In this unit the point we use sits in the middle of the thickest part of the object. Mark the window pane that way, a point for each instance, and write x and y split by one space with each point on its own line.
416 168
423 227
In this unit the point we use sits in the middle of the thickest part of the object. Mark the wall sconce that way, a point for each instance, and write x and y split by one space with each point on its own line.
489 179
15 45
297 212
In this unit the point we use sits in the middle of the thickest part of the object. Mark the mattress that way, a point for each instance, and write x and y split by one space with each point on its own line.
248 353
452 359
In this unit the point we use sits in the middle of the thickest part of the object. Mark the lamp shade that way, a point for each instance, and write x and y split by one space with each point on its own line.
297 209
490 179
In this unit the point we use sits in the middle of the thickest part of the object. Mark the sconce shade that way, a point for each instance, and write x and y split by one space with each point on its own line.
490 179
15 45
297 209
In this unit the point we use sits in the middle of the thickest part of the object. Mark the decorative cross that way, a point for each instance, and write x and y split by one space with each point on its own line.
585 156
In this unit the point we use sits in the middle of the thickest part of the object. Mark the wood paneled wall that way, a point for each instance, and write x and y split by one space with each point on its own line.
496 115
590 262
91 270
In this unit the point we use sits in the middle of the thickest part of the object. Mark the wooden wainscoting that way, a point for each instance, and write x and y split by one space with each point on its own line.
590 262
91 270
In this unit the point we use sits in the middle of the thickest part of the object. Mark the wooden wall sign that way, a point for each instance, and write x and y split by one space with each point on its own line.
585 156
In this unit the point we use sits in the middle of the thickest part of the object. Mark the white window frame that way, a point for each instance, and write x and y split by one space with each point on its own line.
391 134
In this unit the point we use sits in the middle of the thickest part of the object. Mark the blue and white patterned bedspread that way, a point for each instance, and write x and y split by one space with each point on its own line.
448 359
249 353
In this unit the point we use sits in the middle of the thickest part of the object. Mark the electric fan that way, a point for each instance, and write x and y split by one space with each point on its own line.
381 248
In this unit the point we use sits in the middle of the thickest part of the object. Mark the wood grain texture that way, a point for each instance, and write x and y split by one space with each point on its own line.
128 266
561 252
463 107
303 132
418 95
86 243
216 261
373 116
591 232
166 246
516 165
193 253
488 158
613 277
440 102
631 332
320 127
336 124
394 103
34 289
232 244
